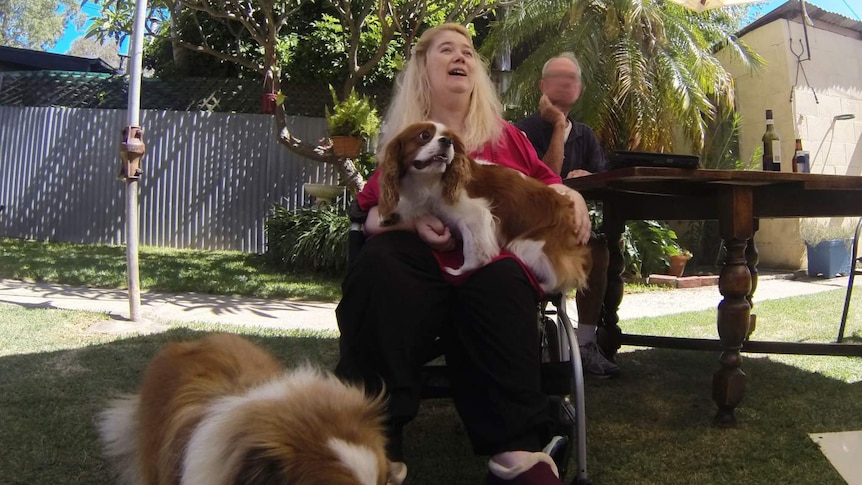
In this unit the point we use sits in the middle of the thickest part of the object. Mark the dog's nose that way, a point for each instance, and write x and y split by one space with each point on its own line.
445 141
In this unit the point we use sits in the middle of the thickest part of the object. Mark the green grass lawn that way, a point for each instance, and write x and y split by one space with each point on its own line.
650 426
161 269
172 271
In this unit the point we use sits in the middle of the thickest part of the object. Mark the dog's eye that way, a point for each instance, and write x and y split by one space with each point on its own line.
425 135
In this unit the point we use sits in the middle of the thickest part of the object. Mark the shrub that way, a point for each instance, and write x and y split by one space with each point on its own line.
817 229
646 246
353 116
310 238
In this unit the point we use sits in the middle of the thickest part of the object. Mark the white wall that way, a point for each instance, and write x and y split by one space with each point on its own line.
834 73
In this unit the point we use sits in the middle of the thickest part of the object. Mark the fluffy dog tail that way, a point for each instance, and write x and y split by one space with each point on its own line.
118 429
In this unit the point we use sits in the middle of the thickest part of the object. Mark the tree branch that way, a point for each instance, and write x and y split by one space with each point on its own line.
221 55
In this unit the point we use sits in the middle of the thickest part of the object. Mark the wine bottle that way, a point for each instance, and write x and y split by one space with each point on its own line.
797 155
802 158
771 146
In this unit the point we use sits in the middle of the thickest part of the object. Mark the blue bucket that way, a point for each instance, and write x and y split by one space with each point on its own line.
829 258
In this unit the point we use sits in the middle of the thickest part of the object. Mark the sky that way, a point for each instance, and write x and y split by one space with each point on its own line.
62 46
842 7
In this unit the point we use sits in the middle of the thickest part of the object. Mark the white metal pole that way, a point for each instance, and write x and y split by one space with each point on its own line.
136 55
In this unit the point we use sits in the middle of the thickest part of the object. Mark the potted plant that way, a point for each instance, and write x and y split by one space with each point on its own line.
677 258
351 120
827 243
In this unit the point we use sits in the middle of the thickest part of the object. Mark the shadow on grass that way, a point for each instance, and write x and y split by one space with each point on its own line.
207 305
652 425
162 269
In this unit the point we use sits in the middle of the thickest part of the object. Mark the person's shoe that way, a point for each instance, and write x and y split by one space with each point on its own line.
595 363
397 473
559 449
539 469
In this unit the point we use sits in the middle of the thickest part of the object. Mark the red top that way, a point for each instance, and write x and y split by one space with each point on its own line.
513 151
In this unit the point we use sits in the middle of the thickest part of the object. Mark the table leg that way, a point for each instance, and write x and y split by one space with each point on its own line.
752 258
734 283
609 334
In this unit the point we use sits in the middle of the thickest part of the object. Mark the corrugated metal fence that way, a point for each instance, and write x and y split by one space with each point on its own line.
209 178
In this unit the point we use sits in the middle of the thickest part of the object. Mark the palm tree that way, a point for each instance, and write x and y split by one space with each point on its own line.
648 66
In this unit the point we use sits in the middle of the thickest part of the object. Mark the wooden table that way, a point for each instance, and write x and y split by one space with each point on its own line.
737 199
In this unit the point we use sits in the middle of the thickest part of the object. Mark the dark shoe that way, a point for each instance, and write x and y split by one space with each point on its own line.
595 362
559 449
541 470
561 445
395 443
395 454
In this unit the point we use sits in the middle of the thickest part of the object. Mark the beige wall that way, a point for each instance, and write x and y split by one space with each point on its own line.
835 73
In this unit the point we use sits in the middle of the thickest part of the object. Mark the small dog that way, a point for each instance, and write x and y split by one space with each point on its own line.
426 170
222 411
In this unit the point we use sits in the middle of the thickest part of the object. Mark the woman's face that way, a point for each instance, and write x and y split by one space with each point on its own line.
450 64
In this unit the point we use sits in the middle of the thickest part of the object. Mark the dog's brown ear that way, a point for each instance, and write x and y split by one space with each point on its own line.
459 172
259 469
390 175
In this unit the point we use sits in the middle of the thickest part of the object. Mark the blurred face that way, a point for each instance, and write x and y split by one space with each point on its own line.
561 83
450 65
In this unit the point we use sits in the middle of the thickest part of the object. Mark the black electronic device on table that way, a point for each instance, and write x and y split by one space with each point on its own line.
625 159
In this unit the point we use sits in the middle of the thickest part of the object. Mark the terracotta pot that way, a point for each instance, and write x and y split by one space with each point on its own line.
677 264
346 146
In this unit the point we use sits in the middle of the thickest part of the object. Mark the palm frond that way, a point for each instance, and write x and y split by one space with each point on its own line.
650 71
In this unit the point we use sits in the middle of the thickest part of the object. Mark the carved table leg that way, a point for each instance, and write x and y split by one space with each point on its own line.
752 258
728 383
608 336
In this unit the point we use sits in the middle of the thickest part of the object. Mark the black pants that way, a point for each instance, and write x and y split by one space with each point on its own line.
396 303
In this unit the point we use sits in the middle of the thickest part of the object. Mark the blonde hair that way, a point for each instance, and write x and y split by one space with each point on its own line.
411 101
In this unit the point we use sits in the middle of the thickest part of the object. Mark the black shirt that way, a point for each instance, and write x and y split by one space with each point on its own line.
581 150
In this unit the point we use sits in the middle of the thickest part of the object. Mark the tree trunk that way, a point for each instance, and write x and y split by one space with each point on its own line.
180 54
319 153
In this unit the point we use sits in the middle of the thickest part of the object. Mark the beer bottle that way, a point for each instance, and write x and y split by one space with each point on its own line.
771 145
798 155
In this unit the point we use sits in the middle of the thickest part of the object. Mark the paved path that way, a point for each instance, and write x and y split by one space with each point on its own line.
159 309
769 287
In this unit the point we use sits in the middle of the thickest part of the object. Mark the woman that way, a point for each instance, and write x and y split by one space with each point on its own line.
396 301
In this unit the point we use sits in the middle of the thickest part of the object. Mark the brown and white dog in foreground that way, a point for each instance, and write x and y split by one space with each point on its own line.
220 410
425 170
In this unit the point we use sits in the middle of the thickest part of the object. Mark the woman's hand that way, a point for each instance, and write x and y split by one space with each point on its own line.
582 214
436 234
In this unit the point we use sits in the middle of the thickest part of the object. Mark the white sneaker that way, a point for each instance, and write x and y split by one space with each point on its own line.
595 363
397 473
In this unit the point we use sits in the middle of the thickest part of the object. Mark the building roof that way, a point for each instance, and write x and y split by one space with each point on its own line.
15 59
792 9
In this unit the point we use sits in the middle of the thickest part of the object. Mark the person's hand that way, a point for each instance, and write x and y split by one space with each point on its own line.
577 173
583 225
550 113
436 234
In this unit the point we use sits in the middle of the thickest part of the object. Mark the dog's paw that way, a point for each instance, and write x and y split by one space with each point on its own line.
454 271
